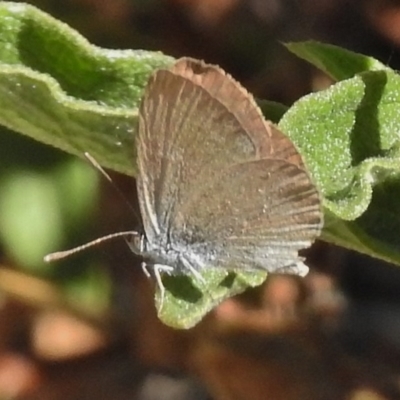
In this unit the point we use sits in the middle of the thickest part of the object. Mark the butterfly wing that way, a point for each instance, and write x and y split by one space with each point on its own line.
202 145
251 215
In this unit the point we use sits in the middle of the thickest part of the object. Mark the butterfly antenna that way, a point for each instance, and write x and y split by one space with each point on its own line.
63 254
96 165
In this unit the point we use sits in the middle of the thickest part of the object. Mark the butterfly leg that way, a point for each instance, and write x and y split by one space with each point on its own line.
143 264
160 285
158 268
186 263
193 270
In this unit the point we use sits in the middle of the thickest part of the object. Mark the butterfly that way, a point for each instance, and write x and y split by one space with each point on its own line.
218 186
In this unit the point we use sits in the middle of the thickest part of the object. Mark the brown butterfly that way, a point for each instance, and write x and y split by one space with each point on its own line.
218 185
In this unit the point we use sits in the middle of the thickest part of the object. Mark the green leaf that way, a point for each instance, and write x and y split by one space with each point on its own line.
272 110
59 89
349 137
187 300
336 62
28 196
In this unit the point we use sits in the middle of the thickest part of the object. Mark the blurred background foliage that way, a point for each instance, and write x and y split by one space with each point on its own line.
86 328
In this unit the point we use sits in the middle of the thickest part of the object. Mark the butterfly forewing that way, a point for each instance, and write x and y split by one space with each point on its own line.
178 147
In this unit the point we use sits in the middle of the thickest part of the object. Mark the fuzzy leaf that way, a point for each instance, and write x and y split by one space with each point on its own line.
336 62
